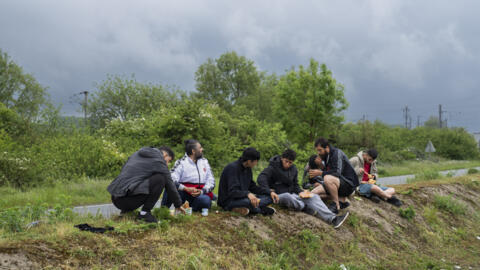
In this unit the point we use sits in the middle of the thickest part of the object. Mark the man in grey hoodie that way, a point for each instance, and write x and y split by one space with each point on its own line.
142 181
281 177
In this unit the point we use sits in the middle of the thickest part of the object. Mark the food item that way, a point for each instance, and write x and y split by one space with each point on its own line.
186 205
306 194
371 181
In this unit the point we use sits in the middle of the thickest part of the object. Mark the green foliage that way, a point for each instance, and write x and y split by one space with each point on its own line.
124 98
450 205
308 102
407 213
20 91
472 171
425 176
228 80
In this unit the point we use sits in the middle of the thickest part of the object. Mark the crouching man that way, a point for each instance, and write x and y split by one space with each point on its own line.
142 180
281 177
238 192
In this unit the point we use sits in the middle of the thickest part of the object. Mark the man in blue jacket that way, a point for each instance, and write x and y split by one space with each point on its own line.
340 179
142 180
238 192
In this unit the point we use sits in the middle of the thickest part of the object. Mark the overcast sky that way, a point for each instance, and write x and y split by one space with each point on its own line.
388 54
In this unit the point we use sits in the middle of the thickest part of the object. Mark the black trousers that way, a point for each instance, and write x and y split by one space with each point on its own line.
156 185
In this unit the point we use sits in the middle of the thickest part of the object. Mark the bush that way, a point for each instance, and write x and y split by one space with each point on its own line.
448 204
472 171
425 176
407 213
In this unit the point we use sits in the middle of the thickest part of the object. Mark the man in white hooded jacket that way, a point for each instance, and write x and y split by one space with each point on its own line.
193 177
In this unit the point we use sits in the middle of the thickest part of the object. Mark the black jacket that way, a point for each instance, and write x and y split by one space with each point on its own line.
236 182
337 163
140 166
281 180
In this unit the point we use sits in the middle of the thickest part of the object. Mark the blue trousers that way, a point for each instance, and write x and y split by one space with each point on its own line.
197 203
245 202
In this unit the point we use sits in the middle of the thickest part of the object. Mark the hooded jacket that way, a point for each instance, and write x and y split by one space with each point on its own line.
187 171
358 163
140 166
337 163
277 178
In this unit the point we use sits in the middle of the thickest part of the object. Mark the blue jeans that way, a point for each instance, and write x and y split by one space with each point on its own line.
245 202
197 203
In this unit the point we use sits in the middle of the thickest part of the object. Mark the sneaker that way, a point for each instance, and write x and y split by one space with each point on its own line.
375 199
267 210
148 217
395 201
241 210
338 220
333 207
344 205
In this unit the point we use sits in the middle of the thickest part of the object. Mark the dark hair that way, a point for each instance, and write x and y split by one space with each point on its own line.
289 154
250 153
190 145
311 162
322 142
373 153
168 150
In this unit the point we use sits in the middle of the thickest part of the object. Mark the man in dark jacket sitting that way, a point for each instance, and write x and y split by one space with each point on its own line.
281 177
339 177
238 192
142 181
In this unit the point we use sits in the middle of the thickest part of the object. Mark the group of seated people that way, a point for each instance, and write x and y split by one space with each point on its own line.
329 175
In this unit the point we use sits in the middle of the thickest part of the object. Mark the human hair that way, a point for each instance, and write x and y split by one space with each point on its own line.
289 154
190 144
311 162
250 153
372 153
322 142
167 150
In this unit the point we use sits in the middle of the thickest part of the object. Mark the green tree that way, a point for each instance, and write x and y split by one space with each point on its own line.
432 122
20 91
227 80
309 103
125 98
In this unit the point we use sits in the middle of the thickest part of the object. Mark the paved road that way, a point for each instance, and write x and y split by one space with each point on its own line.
107 210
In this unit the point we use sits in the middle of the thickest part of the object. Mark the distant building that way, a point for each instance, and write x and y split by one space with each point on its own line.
477 137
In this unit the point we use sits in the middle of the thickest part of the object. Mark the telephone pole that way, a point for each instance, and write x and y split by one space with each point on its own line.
440 118
418 120
406 115
85 93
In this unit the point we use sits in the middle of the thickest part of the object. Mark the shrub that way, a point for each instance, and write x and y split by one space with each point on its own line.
472 171
407 213
448 204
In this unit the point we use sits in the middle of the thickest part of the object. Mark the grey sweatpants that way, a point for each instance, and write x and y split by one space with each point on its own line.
313 206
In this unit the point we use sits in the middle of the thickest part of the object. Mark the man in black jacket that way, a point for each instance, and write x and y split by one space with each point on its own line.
340 179
238 192
142 180
281 177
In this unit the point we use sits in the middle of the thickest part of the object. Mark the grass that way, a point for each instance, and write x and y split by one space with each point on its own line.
418 167
81 192
450 205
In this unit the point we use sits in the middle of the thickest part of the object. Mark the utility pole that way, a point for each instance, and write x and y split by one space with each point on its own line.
418 120
440 118
406 115
85 93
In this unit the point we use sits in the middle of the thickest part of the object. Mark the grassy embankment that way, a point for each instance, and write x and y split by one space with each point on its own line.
436 228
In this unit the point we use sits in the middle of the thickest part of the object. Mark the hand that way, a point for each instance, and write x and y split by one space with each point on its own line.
196 192
316 184
274 197
314 173
181 209
189 189
253 200
362 171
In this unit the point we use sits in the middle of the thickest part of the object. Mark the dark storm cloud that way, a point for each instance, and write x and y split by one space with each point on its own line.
388 54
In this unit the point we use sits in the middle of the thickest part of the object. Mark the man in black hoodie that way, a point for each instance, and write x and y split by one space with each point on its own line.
142 180
281 177
340 179
238 192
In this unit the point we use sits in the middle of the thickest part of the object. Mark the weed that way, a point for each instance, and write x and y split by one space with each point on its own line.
430 214
473 171
353 220
407 192
428 174
407 213
448 204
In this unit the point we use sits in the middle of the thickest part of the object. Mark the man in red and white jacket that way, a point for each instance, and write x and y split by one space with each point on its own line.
193 177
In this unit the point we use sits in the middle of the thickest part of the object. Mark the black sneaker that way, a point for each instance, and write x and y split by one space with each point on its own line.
375 199
333 207
148 217
267 210
395 201
338 220
344 205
